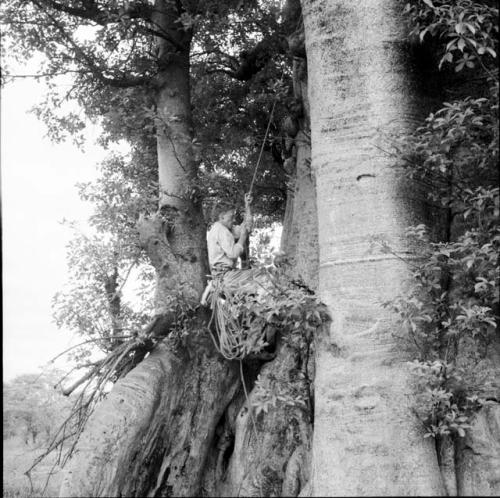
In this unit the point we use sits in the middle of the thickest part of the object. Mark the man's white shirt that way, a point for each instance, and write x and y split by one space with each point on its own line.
222 248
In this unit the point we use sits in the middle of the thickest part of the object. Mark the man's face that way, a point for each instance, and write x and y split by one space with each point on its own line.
227 218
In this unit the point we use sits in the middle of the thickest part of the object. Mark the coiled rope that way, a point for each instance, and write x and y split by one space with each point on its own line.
232 335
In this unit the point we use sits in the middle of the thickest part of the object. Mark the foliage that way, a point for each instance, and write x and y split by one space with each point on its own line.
265 242
442 403
92 304
33 407
467 31
455 154
273 393
109 53
450 312
279 303
454 294
272 309
451 315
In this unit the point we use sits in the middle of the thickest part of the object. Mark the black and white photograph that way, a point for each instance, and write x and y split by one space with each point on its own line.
250 248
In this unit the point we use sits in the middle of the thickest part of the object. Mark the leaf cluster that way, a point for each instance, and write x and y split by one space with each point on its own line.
442 403
272 393
455 153
275 304
467 31
451 317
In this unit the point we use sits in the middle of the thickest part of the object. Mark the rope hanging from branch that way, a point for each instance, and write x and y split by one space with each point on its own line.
262 147
230 341
265 136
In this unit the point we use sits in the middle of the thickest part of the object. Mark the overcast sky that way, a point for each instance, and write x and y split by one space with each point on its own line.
38 191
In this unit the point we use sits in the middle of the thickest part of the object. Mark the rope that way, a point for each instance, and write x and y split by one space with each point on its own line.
265 137
232 340
263 144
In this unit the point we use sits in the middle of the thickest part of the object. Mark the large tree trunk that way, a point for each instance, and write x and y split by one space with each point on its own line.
366 439
152 433
300 227
180 208
268 453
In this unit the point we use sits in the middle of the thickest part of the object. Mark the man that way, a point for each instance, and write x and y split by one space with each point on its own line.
225 244
225 241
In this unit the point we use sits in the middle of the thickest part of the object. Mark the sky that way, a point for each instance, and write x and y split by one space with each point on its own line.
37 191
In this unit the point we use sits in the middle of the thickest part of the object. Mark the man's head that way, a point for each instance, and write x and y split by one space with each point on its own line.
224 213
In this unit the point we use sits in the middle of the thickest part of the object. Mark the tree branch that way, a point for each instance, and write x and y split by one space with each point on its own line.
92 12
42 75
221 70
68 390
122 82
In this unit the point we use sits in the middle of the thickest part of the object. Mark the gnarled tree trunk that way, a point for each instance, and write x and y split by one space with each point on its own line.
151 435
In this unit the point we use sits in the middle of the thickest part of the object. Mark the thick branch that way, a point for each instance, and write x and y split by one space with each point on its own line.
68 390
221 70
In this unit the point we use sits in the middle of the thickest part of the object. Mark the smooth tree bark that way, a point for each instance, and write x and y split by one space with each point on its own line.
180 210
366 439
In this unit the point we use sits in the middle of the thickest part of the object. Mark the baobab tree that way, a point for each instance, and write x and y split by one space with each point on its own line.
180 422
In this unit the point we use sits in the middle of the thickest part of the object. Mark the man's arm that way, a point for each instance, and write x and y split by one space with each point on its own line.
226 241
243 235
